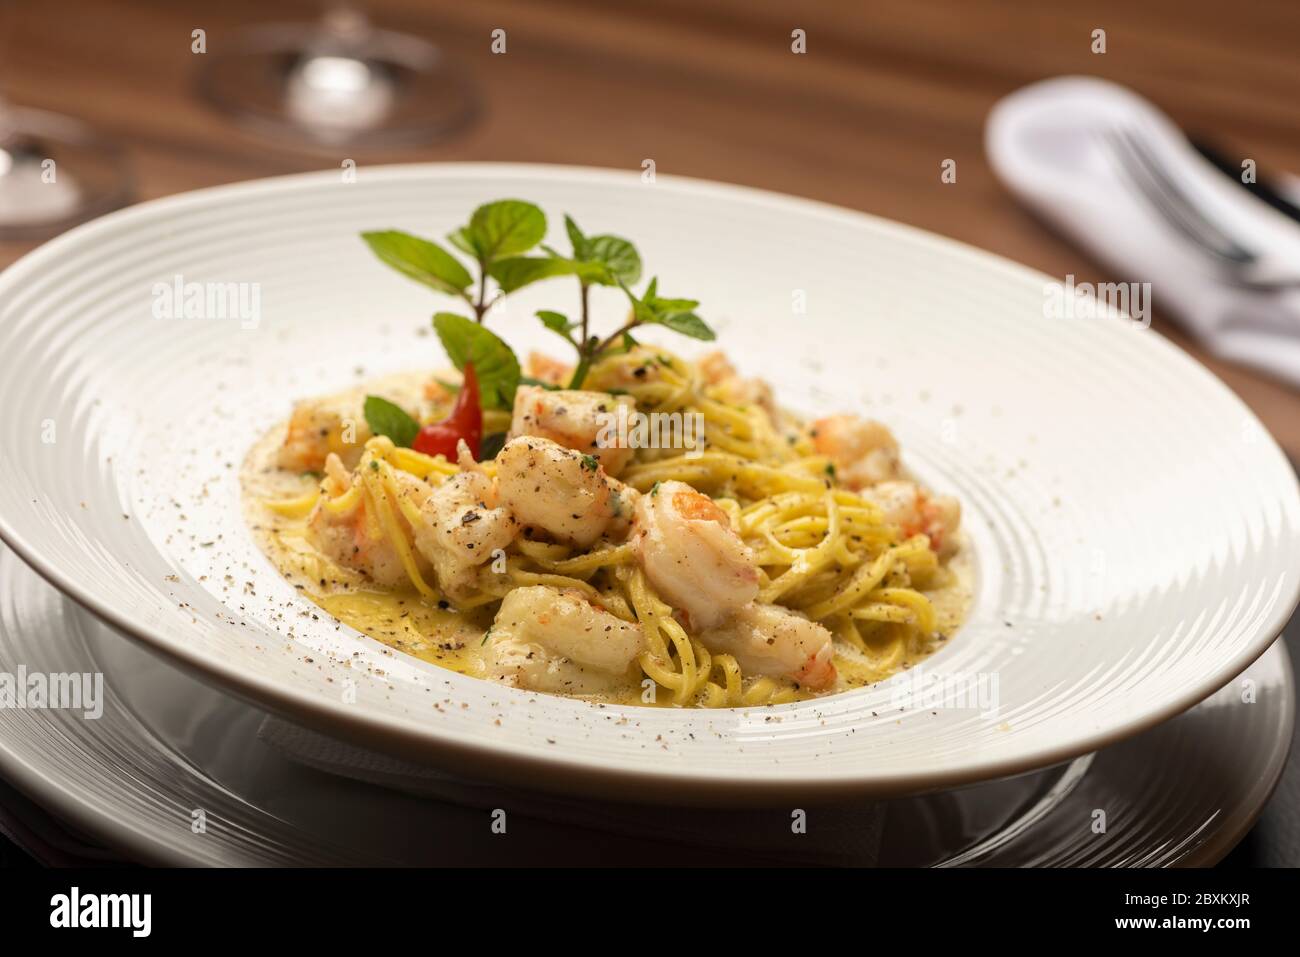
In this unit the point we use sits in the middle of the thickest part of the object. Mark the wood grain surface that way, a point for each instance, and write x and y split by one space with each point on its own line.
887 90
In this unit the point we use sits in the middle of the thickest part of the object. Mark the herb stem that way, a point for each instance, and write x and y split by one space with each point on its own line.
585 355
588 343
481 308
626 328
585 296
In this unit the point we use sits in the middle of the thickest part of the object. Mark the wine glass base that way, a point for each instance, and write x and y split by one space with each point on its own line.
55 172
304 84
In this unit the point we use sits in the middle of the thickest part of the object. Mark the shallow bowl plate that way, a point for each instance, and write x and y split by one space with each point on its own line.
1134 525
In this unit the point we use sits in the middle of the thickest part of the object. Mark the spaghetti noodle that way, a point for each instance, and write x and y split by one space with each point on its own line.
837 556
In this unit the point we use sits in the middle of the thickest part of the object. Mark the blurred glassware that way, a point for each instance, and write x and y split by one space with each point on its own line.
338 81
55 171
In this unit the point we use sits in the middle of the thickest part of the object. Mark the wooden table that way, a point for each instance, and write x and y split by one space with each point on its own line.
887 90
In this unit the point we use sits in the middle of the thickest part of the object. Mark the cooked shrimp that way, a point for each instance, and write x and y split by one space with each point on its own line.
319 427
691 554
752 391
461 525
337 423
577 419
863 450
623 502
715 367
731 387
545 639
542 367
772 640
349 533
557 490
914 510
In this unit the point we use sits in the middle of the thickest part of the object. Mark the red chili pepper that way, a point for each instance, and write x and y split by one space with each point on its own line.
465 422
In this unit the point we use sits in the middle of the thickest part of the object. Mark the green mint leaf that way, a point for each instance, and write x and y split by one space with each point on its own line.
555 321
675 314
672 305
516 272
385 418
507 227
688 324
494 362
576 238
460 238
642 311
420 260
617 255
558 323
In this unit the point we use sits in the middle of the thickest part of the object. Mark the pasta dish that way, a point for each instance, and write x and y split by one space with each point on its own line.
630 527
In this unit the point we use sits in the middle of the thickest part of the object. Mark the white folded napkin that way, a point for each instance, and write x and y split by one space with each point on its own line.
847 835
1046 143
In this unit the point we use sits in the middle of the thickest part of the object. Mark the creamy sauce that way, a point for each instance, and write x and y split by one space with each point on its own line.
403 620
951 598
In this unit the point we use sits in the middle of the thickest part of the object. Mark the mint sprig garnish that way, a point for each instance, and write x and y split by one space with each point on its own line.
501 238
421 260
495 364
385 418
506 227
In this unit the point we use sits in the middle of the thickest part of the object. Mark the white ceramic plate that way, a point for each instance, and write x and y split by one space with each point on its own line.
1181 794
1135 525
